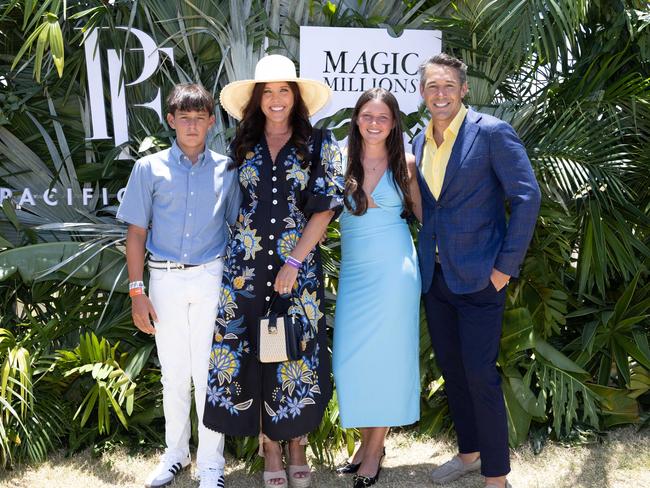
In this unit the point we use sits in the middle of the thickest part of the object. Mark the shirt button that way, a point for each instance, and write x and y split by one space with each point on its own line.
267 298
270 266
268 283
187 235
274 179
271 237
270 252
274 168
191 193
275 202
275 190
192 173
190 214
185 255
273 221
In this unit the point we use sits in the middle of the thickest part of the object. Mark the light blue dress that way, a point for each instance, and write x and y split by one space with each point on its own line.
376 330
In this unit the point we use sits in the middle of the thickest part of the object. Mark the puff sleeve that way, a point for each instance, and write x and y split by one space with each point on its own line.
325 189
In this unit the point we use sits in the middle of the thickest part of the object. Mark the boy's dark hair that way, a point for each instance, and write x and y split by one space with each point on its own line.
445 60
190 96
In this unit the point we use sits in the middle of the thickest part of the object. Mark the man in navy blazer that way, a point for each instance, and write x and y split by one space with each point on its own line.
471 164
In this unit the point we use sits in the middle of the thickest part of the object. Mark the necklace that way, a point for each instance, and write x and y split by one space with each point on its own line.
378 164
277 134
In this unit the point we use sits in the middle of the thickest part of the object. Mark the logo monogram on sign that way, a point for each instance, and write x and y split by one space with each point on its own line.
152 58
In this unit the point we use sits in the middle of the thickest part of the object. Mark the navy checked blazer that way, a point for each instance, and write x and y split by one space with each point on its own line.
487 167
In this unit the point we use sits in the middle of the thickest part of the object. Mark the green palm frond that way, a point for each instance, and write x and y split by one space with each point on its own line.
532 29
572 78
44 428
564 382
608 248
112 389
32 420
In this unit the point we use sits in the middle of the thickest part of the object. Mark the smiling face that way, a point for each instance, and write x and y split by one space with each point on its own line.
191 129
277 102
375 121
443 94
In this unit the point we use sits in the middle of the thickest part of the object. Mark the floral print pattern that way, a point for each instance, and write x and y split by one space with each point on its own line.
279 197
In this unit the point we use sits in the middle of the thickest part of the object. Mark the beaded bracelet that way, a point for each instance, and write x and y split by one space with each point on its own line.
293 262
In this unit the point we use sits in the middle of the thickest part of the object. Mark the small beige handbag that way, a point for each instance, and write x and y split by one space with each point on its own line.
280 337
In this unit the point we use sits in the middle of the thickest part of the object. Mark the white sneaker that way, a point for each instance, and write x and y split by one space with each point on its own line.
211 478
166 470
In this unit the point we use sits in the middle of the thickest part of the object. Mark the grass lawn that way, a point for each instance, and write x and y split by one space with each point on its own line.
621 461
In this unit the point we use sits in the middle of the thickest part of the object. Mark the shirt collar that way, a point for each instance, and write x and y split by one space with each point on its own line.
178 156
454 126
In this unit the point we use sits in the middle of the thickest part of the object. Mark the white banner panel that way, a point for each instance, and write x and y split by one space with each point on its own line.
351 60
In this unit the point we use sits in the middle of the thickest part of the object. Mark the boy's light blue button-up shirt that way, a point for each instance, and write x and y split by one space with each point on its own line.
186 208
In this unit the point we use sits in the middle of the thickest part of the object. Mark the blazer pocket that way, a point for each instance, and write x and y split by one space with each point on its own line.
474 155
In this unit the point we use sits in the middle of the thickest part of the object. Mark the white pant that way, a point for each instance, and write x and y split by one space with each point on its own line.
186 303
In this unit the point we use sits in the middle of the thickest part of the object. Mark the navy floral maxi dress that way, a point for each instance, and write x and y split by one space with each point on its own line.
290 397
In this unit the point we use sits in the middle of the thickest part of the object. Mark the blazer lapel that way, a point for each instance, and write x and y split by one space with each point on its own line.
418 149
463 144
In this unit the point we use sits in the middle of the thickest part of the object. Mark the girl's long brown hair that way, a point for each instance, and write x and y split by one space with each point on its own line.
251 128
354 173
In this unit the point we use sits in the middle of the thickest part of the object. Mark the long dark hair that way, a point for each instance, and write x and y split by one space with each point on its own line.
251 128
354 173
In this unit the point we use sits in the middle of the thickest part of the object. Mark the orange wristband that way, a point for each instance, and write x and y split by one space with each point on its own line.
133 292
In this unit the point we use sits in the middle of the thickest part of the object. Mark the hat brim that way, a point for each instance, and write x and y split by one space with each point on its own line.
235 96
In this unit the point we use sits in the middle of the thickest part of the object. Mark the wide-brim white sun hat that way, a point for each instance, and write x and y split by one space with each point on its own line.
273 68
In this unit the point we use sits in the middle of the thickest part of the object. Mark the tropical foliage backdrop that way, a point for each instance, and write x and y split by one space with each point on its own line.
573 77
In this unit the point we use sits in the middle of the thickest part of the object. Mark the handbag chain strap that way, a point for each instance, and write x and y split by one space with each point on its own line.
303 341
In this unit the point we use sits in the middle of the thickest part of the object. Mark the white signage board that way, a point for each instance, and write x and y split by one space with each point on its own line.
351 60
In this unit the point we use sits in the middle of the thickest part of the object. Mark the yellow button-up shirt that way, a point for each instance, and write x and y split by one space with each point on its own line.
434 158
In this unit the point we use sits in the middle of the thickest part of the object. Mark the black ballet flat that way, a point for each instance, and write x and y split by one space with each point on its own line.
364 481
352 468
348 468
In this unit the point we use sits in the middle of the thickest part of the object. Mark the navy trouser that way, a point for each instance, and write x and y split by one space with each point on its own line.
465 332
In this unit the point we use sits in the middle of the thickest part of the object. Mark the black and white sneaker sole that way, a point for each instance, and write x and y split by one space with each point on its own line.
174 470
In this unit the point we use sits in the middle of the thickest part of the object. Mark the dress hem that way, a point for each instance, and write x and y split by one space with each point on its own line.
291 435
368 425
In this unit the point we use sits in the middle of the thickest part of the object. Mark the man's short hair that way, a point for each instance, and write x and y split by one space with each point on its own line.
445 60
188 97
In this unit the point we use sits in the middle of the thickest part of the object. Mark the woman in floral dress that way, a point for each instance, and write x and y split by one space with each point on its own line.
289 198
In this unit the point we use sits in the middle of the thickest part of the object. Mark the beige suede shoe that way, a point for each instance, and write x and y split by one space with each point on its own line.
508 485
453 469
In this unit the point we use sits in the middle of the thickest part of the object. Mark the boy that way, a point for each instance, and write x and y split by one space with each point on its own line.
178 203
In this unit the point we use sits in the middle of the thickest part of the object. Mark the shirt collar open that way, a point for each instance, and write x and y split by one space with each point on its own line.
177 155
454 126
